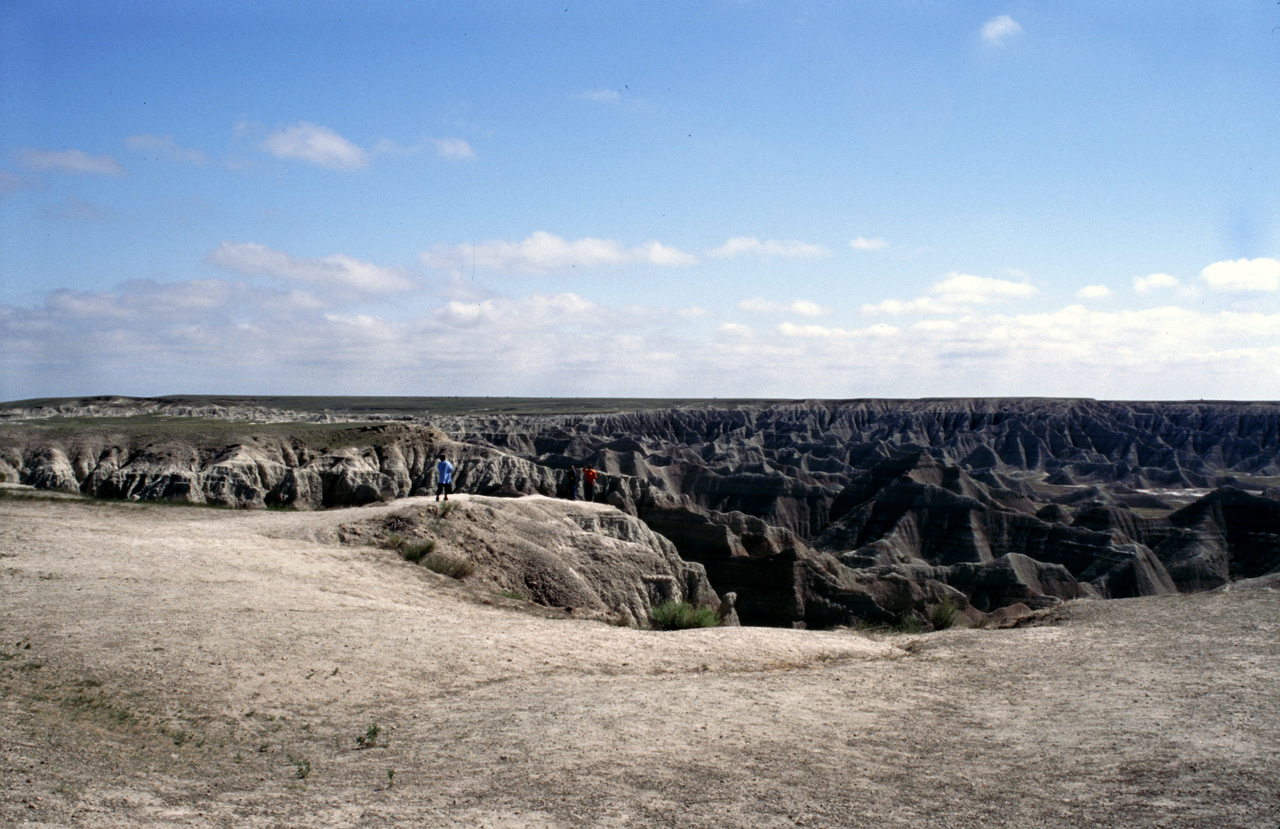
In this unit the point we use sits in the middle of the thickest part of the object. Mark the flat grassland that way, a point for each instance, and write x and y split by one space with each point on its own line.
175 666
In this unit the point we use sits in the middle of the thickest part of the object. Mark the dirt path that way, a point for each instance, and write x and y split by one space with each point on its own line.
185 667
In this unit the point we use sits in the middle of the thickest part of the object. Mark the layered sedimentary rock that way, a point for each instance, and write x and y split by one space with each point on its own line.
349 467
813 512
599 562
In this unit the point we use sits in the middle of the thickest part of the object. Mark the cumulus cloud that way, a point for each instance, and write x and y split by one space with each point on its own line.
863 243
165 145
315 144
956 293
71 161
145 336
1243 275
1154 282
336 271
454 149
965 289
752 246
999 29
897 307
542 253
836 335
1094 292
799 307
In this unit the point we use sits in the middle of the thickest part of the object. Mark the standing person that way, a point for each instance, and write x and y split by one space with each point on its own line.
588 483
572 480
444 477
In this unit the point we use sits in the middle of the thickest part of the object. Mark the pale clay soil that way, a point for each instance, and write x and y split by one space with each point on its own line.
164 666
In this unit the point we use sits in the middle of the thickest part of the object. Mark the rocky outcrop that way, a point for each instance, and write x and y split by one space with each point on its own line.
591 559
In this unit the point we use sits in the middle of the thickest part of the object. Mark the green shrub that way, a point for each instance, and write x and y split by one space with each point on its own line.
677 615
448 565
415 551
944 614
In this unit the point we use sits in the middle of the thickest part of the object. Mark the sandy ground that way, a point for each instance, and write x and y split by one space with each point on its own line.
164 666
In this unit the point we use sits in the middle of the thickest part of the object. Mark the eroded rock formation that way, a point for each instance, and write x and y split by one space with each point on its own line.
596 561
812 512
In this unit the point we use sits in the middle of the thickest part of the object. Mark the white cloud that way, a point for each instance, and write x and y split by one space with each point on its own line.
656 253
454 149
946 326
1094 292
144 337
999 29
542 253
895 307
735 329
836 335
954 294
165 145
313 143
750 245
965 289
1154 282
71 161
800 307
863 243
337 271
1243 275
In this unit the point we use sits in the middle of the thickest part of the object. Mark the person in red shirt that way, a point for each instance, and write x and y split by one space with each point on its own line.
588 483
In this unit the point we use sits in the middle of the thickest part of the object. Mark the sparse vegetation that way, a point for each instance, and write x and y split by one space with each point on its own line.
944 614
679 615
448 565
909 623
513 594
369 739
415 551
411 550
301 765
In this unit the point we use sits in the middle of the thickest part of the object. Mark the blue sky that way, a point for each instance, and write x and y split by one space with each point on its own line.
724 198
